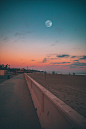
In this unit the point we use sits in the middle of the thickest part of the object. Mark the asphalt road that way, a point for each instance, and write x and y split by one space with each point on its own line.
16 108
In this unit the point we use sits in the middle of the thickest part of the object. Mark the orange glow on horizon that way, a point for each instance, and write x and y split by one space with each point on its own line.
21 58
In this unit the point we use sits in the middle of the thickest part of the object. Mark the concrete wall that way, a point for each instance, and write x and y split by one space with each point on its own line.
52 112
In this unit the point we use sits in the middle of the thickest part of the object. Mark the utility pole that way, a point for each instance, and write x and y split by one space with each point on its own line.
45 75
27 68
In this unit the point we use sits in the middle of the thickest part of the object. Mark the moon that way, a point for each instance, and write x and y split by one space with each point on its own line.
48 23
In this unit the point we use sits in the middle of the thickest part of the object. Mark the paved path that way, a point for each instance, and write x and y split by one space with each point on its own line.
16 107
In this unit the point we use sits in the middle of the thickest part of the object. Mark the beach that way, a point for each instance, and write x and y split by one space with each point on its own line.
71 89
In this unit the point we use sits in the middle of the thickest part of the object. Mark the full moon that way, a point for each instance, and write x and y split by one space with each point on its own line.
48 23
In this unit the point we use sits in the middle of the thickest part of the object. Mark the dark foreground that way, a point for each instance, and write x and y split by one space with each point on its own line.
16 108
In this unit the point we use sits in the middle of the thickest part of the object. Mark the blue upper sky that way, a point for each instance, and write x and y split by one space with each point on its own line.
23 21
68 17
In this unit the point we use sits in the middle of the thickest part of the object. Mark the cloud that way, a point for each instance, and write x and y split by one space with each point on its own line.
74 65
23 33
32 60
44 60
53 44
83 58
62 56
76 60
16 40
6 39
57 41
73 56
59 63
65 62
27 32
53 58
17 34
55 63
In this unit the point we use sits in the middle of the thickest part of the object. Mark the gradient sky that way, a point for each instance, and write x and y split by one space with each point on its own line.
26 41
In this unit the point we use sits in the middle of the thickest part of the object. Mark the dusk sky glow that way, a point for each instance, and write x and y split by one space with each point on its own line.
26 41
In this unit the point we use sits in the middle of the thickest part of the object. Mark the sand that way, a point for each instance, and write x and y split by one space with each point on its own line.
71 89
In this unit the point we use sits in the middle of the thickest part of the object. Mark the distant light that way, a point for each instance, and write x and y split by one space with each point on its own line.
48 23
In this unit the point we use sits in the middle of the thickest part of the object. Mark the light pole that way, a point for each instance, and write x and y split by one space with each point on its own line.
27 68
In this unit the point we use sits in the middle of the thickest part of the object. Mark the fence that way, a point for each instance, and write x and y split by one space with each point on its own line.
52 112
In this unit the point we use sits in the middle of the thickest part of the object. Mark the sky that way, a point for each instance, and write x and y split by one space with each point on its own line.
25 40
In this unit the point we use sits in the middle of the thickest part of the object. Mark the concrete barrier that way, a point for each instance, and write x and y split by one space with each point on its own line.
52 112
